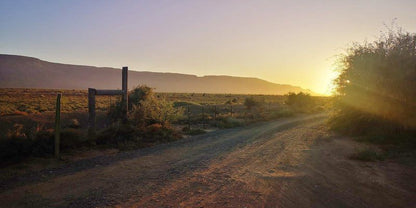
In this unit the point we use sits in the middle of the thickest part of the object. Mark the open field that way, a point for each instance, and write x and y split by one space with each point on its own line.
22 101
293 162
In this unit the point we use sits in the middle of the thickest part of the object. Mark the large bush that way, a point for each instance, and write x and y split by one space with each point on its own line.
376 88
149 120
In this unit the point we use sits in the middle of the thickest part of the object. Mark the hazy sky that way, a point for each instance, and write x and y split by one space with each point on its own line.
288 42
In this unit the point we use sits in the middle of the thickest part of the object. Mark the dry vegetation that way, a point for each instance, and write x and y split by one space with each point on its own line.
27 118
376 95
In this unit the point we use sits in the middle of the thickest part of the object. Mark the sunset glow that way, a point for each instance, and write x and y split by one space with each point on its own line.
284 42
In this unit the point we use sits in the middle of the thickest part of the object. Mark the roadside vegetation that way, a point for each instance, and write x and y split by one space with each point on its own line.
27 116
149 121
375 98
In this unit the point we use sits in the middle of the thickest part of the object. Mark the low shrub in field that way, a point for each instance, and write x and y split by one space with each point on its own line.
300 102
251 103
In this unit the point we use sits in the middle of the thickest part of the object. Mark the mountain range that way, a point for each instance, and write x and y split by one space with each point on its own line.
28 72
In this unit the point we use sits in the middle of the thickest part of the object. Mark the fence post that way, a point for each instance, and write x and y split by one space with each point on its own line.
57 124
91 113
231 106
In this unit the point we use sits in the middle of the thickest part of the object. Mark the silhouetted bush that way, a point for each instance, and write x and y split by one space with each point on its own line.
376 91
300 102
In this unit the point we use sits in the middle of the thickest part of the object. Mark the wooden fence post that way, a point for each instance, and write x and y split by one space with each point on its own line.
91 102
57 124
231 106
91 113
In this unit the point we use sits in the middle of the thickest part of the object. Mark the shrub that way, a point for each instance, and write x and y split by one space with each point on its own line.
375 89
301 102
116 134
154 111
157 133
251 103
145 109
149 119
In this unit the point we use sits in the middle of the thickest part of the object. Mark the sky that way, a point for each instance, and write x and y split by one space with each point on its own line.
286 42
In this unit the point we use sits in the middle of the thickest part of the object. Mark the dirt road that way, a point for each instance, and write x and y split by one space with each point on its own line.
287 163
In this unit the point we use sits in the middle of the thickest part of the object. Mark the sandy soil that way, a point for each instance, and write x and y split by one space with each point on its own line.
287 163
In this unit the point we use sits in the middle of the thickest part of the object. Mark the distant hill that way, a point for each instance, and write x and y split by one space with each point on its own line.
28 72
